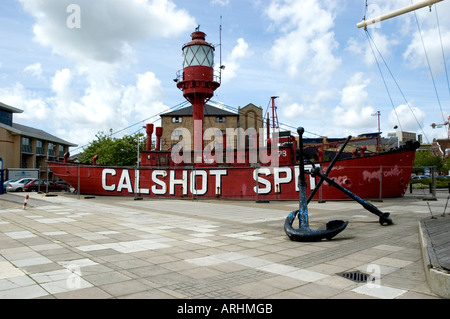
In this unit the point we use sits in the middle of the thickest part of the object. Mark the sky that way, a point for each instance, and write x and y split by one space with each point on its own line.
80 67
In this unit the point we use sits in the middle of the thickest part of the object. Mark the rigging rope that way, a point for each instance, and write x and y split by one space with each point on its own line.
398 86
291 127
429 66
384 80
180 105
442 48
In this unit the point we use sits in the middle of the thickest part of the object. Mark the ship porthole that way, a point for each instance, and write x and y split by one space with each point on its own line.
402 182
347 183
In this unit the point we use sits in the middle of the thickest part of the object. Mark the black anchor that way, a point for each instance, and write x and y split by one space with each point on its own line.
384 217
304 233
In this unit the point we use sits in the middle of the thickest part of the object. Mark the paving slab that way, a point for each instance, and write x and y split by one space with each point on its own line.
66 247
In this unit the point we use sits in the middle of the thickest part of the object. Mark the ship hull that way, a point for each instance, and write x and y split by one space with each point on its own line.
379 176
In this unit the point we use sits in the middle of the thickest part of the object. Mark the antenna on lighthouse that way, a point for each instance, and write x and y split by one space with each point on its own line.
221 67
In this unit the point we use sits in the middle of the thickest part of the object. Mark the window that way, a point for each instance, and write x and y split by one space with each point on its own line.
198 55
61 151
220 119
40 148
26 145
25 141
6 118
177 119
51 150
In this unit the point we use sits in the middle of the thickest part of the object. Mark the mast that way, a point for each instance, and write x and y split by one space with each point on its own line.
275 124
412 7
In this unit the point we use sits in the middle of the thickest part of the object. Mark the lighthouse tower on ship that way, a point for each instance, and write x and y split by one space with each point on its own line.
198 83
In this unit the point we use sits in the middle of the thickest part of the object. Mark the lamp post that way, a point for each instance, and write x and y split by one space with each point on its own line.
398 137
136 171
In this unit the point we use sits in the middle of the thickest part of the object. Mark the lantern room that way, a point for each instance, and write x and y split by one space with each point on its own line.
198 52
197 80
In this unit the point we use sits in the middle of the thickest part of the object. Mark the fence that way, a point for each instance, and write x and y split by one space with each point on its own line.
426 186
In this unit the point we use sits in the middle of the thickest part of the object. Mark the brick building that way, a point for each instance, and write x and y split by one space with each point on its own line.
26 147
173 123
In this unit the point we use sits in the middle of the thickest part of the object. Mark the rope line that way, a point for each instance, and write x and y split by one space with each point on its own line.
429 66
442 48
384 80
398 86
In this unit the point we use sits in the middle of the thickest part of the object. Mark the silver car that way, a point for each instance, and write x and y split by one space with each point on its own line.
18 186
6 183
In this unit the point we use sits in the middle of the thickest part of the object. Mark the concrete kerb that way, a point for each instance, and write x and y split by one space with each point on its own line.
438 279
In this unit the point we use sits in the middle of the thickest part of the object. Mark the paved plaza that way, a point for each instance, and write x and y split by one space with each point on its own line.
65 246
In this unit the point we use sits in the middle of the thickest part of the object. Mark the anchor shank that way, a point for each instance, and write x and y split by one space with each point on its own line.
303 202
301 179
303 212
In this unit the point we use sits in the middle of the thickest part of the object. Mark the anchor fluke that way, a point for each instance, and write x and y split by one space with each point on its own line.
334 227
385 219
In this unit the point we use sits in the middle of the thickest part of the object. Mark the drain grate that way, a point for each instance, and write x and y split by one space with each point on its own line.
357 276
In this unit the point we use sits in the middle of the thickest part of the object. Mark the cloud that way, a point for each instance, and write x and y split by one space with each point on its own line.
61 84
354 111
232 61
103 105
380 44
416 56
411 118
107 28
221 2
34 107
408 28
433 27
311 108
307 44
34 69
97 91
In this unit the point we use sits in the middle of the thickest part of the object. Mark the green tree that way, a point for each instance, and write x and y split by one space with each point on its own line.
446 165
113 151
427 159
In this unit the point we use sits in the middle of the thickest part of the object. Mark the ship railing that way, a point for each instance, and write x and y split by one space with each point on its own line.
217 76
